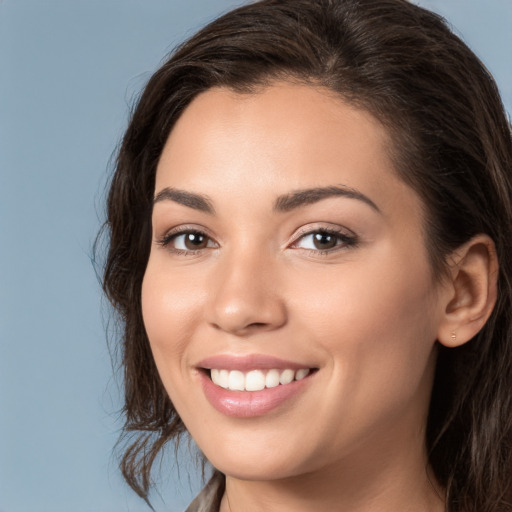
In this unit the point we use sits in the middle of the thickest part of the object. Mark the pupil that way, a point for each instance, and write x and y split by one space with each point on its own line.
324 241
195 241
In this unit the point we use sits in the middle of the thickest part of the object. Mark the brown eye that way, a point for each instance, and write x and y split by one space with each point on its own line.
188 241
194 241
324 241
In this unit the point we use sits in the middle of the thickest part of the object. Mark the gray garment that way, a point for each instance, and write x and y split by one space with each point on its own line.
208 500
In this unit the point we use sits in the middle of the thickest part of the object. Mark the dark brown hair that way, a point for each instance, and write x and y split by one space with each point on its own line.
451 143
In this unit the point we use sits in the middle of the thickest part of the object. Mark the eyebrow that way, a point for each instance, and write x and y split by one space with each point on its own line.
284 203
190 199
301 198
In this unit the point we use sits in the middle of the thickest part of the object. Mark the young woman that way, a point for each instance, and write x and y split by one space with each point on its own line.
310 236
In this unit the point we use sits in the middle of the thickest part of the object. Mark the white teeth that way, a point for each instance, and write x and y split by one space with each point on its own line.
223 379
286 376
236 381
255 380
272 379
301 373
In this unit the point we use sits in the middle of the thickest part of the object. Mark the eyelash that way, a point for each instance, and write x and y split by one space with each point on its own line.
344 240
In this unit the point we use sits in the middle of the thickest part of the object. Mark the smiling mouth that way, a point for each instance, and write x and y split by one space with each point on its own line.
256 380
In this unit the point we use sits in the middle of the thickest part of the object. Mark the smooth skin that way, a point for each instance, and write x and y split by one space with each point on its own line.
339 283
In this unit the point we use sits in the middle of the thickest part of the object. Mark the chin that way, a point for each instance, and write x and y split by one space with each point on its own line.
260 461
256 470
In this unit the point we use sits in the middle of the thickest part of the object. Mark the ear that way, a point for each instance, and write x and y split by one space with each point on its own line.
470 294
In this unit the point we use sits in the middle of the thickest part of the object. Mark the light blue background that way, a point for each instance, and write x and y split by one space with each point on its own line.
68 71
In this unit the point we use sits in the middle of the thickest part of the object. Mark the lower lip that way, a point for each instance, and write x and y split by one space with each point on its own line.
249 404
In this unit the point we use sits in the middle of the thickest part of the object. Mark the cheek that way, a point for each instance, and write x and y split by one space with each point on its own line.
170 309
378 295
377 330
377 322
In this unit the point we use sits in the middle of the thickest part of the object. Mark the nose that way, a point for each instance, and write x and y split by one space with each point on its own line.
247 297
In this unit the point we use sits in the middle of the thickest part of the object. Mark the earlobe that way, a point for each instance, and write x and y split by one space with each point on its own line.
472 292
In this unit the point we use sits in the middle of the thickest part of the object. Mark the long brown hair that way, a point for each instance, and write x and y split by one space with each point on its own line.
451 143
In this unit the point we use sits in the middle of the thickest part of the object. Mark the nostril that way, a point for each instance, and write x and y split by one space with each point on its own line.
246 329
239 315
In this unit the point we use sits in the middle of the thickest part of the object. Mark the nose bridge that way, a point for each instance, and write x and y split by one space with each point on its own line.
247 295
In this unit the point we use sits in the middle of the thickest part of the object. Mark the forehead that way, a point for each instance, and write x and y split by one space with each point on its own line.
285 136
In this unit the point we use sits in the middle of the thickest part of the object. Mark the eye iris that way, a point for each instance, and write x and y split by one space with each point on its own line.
195 241
324 241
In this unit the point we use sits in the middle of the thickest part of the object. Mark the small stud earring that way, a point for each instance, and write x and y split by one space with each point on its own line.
453 336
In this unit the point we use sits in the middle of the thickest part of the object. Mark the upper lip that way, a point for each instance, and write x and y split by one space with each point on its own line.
249 362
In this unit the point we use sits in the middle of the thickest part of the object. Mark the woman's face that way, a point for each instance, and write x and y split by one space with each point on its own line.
286 248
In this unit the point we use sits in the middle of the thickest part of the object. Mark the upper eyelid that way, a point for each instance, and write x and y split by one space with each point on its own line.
185 228
326 227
